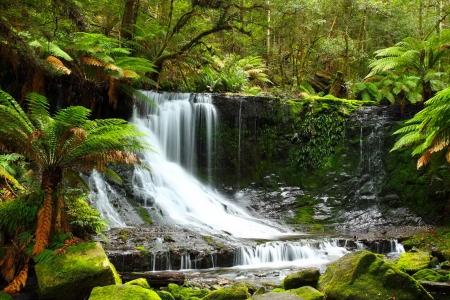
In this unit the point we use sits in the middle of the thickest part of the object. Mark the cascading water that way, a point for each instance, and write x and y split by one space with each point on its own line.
102 194
281 253
177 195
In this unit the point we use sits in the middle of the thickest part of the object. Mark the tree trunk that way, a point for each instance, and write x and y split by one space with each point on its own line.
50 179
129 19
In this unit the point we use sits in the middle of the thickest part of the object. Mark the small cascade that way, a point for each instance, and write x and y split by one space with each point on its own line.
186 263
284 253
101 195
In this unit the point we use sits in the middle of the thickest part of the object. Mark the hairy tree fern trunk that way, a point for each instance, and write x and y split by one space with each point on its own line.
50 179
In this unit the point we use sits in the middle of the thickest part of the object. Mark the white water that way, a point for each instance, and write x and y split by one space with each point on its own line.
301 253
101 195
171 188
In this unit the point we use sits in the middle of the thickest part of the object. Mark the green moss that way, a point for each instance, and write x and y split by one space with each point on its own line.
439 238
124 234
142 249
5 296
413 262
145 215
232 293
76 273
363 275
164 295
184 293
123 292
142 282
308 293
278 290
429 275
306 277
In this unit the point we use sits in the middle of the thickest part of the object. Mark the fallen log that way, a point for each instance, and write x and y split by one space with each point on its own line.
155 279
437 287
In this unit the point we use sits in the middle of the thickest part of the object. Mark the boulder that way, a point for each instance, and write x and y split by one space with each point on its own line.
429 275
164 295
181 293
142 282
363 275
5 296
122 292
306 277
235 292
308 293
277 296
73 275
412 262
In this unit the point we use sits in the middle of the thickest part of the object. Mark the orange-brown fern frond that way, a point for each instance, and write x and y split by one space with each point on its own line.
424 159
112 93
43 224
67 243
36 134
18 282
7 265
92 61
55 62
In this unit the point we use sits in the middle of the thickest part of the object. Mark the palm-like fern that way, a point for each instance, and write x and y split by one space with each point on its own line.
63 143
429 130
416 57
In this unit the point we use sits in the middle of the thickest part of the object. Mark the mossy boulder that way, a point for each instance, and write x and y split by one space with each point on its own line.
306 277
363 275
183 293
308 293
277 296
164 295
446 254
412 262
123 292
5 296
429 275
235 292
142 282
74 274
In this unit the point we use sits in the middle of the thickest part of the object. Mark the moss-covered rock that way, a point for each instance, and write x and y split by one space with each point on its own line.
123 292
277 296
235 292
429 275
142 282
363 275
74 274
184 293
5 296
306 277
308 293
164 295
412 262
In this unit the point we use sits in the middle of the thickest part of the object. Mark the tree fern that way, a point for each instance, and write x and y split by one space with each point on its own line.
68 140
428 132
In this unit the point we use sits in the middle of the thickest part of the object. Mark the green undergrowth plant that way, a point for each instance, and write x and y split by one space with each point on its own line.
320 125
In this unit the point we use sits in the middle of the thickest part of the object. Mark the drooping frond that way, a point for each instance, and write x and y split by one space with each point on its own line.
57 64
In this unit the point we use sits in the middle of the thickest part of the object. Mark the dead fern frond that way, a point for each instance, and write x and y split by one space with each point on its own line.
424 159
7 265
112 93
18 282
92 61
68 243
55 62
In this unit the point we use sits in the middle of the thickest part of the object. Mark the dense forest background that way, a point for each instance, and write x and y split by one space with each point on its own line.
99 50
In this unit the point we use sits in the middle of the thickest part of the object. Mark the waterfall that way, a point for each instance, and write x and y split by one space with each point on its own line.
172 129
288 253
101 195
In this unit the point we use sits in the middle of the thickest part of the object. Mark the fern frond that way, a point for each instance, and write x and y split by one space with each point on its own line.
57 64
18 282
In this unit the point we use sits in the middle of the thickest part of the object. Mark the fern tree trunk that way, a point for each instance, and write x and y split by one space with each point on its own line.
46 217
